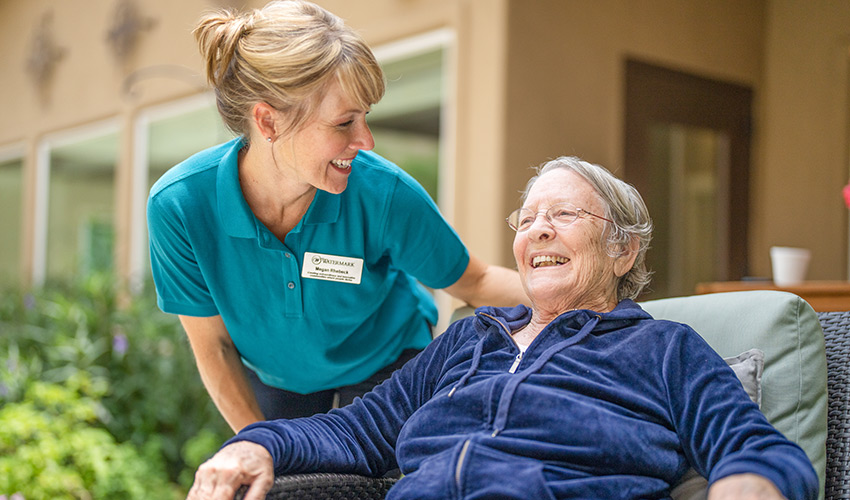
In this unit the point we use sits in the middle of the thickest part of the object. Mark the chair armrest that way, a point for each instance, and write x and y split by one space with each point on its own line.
836 332
325 485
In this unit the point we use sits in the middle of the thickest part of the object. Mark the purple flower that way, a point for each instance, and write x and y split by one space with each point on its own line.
17 496
29 305
120 343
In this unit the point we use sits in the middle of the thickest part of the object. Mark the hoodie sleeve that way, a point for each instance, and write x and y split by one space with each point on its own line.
361 437
721 430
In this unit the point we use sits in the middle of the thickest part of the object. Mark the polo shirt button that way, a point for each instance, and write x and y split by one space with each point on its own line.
287 255
291 285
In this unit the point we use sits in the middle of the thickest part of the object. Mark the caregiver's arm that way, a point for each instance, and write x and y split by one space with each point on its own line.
221 371
483 284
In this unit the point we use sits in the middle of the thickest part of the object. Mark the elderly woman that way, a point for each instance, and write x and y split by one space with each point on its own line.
581 395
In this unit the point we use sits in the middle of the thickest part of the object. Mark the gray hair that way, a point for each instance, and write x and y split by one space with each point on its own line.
624 206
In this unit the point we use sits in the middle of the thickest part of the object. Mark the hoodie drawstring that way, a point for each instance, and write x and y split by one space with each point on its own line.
476 360
476 357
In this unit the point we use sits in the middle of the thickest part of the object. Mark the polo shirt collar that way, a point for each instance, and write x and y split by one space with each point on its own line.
233 211
323 210
236 217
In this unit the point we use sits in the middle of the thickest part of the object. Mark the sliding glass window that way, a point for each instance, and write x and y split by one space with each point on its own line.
11 190
81 205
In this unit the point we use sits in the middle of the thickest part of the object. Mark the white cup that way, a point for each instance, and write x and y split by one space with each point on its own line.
789 265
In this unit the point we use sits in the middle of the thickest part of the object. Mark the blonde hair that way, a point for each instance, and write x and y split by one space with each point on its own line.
284 54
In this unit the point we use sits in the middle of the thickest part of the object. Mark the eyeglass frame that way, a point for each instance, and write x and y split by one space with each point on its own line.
578 210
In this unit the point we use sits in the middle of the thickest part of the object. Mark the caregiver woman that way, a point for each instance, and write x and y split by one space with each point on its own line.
291 254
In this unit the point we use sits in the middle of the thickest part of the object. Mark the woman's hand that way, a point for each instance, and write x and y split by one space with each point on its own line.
744 487
240 463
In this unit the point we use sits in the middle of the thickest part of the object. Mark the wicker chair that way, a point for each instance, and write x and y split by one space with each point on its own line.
836 329
326 486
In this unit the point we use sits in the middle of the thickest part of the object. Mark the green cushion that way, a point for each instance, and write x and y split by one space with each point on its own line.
786 328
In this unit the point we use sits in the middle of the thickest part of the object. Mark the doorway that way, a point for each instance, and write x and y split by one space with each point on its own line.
687 150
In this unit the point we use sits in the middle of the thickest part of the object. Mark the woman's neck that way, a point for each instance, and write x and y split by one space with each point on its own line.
278 202
541 317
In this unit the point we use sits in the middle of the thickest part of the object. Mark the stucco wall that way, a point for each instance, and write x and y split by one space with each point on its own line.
803 127
534 79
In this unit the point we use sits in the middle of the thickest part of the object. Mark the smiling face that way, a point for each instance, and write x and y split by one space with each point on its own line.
568 267
319 154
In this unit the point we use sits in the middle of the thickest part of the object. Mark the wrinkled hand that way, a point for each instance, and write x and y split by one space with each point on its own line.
744 487
240 463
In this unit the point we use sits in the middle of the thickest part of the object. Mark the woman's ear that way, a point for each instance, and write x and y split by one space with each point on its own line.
264 119
623 263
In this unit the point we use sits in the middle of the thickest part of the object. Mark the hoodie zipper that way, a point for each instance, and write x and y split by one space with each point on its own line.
460 459
507 330
517 360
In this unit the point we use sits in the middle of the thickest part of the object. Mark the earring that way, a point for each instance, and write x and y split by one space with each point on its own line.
269 139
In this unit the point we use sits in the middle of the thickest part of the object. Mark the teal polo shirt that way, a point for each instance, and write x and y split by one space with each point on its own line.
333 303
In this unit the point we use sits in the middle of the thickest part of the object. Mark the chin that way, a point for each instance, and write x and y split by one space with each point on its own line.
335 187
548 289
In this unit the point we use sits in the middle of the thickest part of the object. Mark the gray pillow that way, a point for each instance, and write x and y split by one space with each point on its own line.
748 366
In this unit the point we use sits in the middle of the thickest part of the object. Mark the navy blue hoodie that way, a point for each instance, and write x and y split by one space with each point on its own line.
610 405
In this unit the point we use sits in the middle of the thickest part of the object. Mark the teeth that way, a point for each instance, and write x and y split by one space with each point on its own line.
342 163
548 260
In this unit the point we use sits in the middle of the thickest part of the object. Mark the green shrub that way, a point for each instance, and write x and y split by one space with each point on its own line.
153 397
50 449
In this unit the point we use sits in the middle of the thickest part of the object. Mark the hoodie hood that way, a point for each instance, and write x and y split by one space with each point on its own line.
511 319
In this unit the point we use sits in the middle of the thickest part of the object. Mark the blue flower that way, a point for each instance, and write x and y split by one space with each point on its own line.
119 344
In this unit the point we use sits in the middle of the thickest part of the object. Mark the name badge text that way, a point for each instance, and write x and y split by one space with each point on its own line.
326 267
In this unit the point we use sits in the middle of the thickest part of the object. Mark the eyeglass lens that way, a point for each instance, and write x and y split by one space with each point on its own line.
560 214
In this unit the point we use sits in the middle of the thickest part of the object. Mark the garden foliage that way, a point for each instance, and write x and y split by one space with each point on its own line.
93 386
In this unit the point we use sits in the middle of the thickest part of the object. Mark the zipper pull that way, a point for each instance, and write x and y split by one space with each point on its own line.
516 363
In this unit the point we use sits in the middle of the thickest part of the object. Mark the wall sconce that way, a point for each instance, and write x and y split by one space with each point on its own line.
44 54
127 25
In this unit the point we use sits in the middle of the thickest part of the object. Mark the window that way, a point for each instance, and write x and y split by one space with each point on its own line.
11 190
79 234
687 162
407 123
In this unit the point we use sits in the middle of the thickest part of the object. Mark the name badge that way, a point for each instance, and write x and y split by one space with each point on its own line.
332 268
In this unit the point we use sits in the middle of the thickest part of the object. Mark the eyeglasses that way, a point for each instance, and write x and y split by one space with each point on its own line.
558 215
